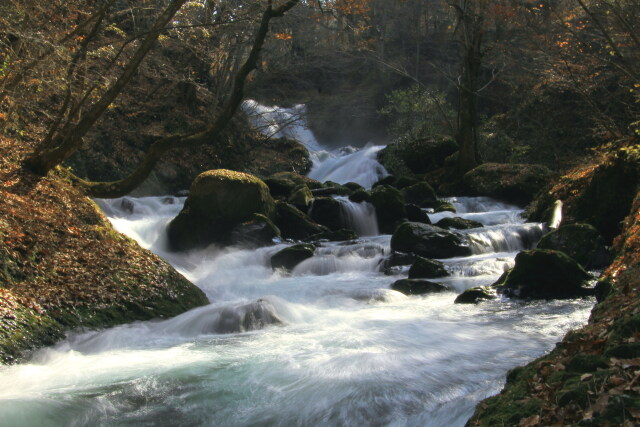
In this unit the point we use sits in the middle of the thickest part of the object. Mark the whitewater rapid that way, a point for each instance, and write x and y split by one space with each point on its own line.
333 345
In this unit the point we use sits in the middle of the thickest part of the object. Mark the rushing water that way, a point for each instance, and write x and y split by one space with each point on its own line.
338 347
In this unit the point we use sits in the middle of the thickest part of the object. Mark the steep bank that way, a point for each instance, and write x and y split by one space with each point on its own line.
63 266
591 377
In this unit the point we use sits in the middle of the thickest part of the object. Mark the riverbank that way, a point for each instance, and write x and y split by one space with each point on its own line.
62 266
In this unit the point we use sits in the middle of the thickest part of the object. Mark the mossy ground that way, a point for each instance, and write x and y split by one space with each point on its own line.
63 266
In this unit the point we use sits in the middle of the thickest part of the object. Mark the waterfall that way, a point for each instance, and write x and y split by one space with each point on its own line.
360 217
344 165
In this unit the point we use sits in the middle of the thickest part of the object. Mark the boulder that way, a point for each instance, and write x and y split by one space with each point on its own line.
429 241
301 197
417 287
282 184
218 201
442 206
359 196
545 274
390 180
405 181
424 268
389 205
515 183
328 212
257 232
331 190
415 214
418 155
247 317
294 224
288 258
421 194
335 236
458 223
393 263
475 295
353 186
582 242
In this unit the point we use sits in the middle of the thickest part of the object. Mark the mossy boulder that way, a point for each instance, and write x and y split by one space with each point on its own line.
582 242
421 194
295 224
390 180
417 155
516 183
393 263
359 196
328 212
429 241
282 184
301 197
353 186
288 258
458 223
341 235
476 295
424 268
257 232
417 287
389 205
218 201
416 214
545 274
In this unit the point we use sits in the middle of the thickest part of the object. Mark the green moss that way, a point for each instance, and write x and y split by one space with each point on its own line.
24 331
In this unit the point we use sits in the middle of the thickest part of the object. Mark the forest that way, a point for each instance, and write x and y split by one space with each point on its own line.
320 212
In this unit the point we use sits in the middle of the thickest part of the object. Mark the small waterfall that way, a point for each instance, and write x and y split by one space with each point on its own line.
344 165
556 218
360 217
360 166
511 238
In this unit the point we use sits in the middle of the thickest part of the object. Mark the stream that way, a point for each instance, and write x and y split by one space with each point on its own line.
342 349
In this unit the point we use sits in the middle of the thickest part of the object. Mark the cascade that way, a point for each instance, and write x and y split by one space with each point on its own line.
330 332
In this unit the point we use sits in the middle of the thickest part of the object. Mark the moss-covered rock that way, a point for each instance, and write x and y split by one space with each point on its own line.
328 212
301 197
417 155
417 287
389 205
416 214
429 241
359 196
545 274
421 194
458 223
294 224
218 201
582 242
344 234
288 258
424 268
258 231
475 295
516 183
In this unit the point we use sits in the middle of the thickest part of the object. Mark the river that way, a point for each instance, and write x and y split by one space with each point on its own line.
344 348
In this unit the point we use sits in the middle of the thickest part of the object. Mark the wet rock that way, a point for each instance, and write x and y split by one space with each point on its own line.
582 242
475 295
417 287
405 181
442 206
421 194
248 317
359 196
301 197
389 180
390 265
259 231
331 191
389 205
353 186
416 214
294 224
282 184
423 268
516 183
341 235
328 212
545 274
218 201
429 241
417 155
458 223
289 257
